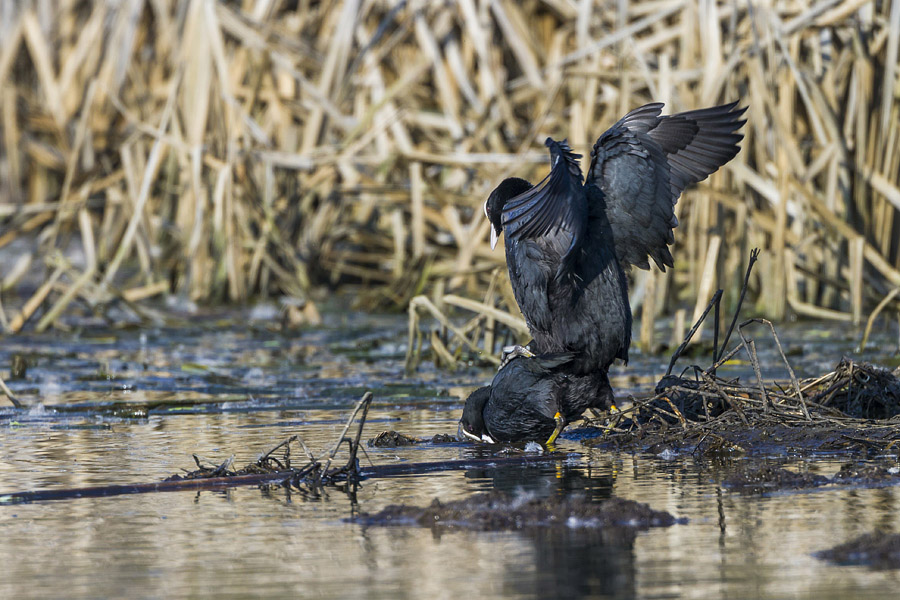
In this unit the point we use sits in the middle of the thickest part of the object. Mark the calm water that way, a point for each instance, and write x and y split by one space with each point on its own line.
132 406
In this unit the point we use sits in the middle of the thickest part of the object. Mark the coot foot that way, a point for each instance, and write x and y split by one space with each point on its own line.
560 425
511 352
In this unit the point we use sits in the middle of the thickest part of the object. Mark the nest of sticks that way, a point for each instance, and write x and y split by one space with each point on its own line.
855 406
854 403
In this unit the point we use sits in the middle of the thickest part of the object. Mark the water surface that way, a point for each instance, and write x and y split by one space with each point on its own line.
132 406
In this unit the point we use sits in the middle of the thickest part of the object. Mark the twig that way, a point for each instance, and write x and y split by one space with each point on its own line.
677 412
709 379
286 443
220 471
716 333
724 359
362 404
697 447
754 256
787 364
351 468
715 299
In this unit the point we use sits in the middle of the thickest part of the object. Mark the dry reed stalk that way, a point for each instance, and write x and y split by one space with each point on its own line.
884 302
35 301
648 314
9 394
707 280
234 152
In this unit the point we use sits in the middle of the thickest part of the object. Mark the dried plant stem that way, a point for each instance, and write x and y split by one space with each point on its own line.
220 151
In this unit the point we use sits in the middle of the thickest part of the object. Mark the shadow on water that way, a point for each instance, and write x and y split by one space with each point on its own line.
123 407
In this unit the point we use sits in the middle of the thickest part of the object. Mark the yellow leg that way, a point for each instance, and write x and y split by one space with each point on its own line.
560 425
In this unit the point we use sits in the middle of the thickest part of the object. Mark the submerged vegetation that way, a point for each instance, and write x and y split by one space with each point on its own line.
227 151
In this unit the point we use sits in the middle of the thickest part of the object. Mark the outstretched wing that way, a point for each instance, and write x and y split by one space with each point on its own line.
642 164
554 211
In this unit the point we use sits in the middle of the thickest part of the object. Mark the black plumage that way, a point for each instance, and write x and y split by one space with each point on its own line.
528 399
567 242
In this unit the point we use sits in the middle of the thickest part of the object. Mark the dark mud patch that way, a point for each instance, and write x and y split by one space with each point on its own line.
503 512
867 474
768 478
754 479
395 439
760 434
878 550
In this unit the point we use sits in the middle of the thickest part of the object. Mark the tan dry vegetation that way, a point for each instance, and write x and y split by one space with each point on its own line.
224 151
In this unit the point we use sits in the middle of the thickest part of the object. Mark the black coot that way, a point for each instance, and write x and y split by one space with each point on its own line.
567 241
530 399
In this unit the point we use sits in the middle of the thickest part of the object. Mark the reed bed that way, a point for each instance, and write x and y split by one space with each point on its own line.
231 151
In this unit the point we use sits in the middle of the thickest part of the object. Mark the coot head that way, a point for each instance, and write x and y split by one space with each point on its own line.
471 424
493 206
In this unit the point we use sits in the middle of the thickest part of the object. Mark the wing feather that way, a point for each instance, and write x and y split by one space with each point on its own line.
644 162
554 211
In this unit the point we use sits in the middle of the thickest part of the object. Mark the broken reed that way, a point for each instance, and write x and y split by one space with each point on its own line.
227 151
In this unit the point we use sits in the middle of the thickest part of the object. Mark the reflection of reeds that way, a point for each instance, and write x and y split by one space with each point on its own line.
192 148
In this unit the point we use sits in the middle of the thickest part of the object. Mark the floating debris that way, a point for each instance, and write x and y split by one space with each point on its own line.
852 407
769 478
312 475
867 474
498 511
394 439
748 479
534 448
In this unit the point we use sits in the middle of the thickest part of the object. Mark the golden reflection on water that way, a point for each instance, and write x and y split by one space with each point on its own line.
239 395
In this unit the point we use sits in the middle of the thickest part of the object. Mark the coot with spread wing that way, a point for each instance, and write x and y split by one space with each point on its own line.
568 239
